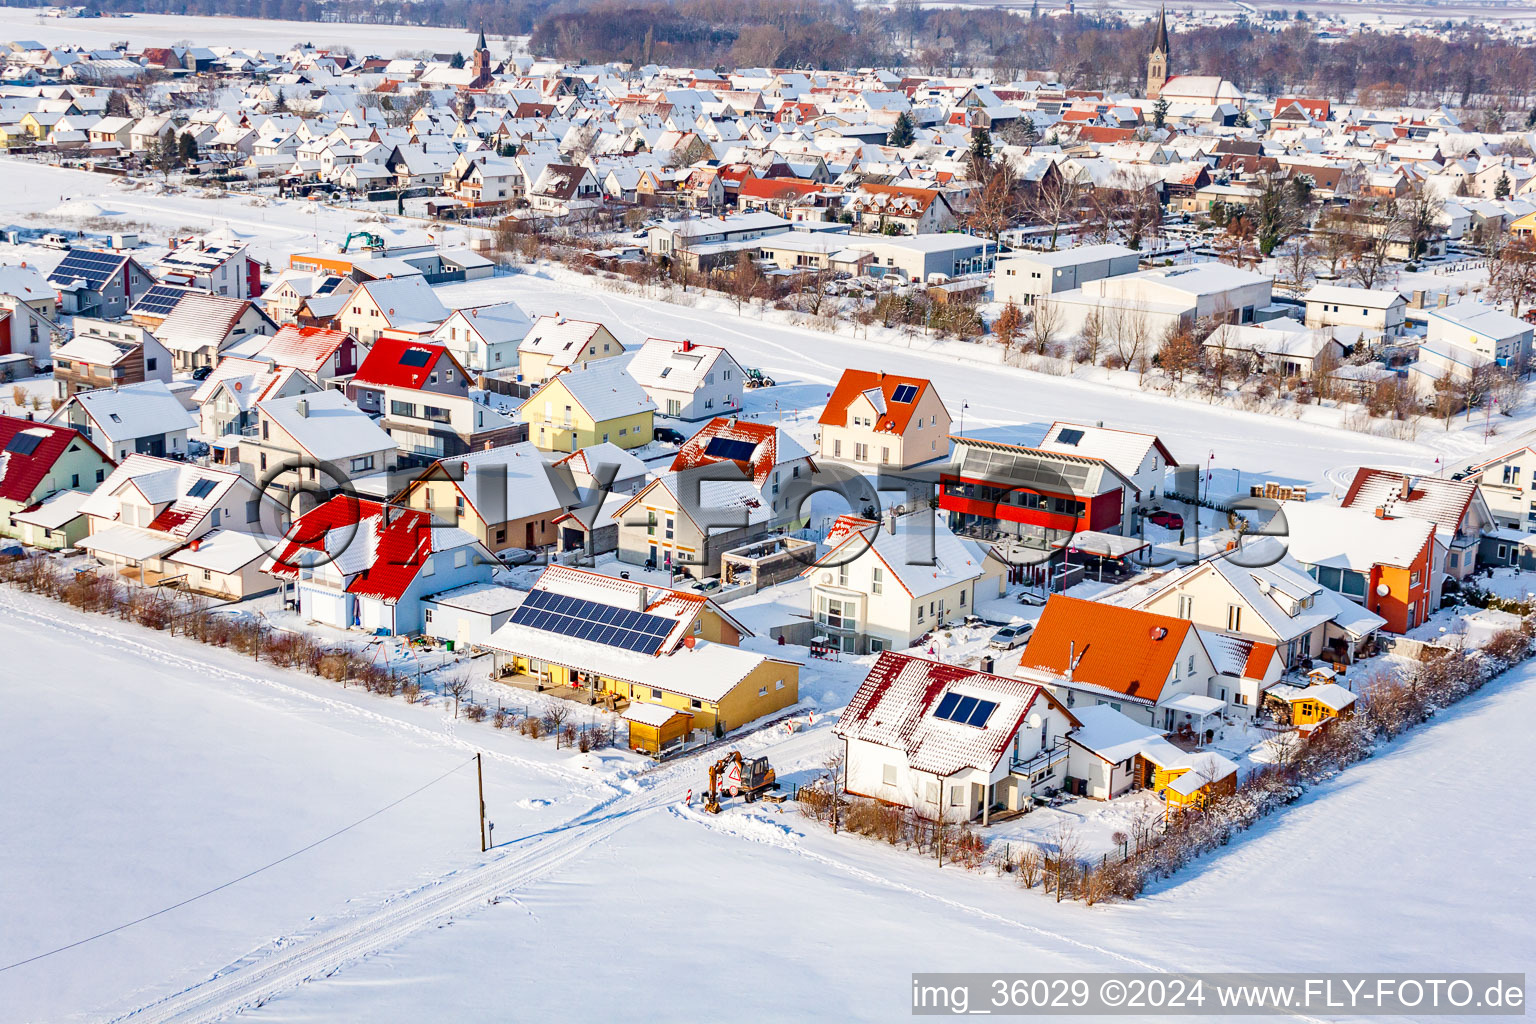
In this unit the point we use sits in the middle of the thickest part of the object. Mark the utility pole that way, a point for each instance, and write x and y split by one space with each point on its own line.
480 782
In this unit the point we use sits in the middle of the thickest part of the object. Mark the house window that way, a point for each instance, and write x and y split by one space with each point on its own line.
1191 667
207 574
101 475
655 693
778 684
427 616
837 449
427 568
889 776
1413 579
956 796
252 511
501 536
364 463
762 691
216 517
1234 617
1512 474
877 580
74 480
460 558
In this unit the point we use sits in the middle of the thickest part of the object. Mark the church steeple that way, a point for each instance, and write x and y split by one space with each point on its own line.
480 43
1157 62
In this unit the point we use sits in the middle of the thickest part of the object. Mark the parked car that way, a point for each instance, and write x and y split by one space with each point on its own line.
202 372
515 556
1168 520
668 435
1009 637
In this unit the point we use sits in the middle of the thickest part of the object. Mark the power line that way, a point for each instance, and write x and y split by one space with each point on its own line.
234 881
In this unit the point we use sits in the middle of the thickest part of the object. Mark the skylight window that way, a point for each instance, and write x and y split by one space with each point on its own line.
415 357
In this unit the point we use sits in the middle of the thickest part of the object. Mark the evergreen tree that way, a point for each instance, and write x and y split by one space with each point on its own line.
117 105
186 148
981 146
280 105
1160 113
1501 190
1029 135
902 132
457 61
1530 118
166 151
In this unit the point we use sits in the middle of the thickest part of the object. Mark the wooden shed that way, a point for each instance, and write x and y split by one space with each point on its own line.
653 727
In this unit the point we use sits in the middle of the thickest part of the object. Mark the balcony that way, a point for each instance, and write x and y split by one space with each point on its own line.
1042 761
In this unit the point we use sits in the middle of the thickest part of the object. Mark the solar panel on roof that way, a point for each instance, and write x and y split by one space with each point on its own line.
95 268
1069 435
200 489
159 300
588 620
972 711
904 393
730 448
24 444
415 357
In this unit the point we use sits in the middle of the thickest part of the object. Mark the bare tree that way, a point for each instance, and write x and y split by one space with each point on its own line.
1007 325
556 718
1092 336
1513 278
1056 202
1044 325
1296 263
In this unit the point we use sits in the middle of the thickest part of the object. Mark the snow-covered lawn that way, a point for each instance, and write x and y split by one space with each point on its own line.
142 769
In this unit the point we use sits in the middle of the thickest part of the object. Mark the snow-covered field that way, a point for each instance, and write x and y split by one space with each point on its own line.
141 769
166 29
150 769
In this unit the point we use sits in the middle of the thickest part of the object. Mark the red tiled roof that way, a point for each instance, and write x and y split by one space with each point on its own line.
762 436
383 365
1122 649
306 348
778 188
20 475
398 548
1097 133
893 419
1400 495
893 708
1259 657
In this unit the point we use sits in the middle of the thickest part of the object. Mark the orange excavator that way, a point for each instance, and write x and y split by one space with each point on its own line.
734 775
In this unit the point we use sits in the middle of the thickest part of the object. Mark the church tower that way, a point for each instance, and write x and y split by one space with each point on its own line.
1157 63
480 69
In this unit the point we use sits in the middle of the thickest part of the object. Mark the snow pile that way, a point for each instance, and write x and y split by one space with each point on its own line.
82 208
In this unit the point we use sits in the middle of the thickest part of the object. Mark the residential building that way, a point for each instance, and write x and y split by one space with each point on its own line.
324 355
556 343
201 328
1457 508
688 381
1508 485
485 338
42 469
504 497
925 258
357 563
29 310
1152 668
883 420
884 585
1140 458
392 302
1379 313
1387 565
1466 336
307 445
144 418
637 644
104 353
226 399
600 403
100 284
422 398
952 743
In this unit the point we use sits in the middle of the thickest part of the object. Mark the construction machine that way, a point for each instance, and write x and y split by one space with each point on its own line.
370 241
734 775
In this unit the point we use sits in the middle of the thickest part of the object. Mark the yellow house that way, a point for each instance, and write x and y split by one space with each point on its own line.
556 343
1524 227
38 123
641 644
653 727
578 408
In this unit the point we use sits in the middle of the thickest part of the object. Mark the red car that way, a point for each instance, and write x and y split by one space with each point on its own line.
1168 520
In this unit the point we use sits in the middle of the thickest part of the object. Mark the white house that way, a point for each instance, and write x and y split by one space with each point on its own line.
484 338
688 381
144 418
1377 312
1465 336
883 585
950 742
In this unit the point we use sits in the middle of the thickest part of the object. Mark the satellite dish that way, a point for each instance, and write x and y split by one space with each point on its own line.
1382 590
826 577
1034 720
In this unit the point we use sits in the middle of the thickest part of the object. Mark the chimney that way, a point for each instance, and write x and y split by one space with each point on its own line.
1071 658
303 408
1381 512
687 345
890 522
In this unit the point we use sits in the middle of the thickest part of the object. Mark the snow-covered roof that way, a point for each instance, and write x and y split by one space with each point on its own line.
132 411
918 549
1113 736
223 551
1352 538
1125 450
674 365
604 389
898 706
327 425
